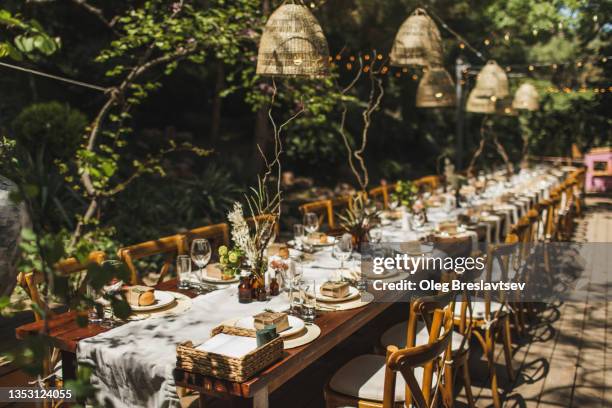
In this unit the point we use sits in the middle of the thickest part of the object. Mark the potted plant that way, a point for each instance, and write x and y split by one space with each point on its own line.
359 219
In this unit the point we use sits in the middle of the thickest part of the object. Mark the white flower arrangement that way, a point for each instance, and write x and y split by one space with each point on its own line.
253 245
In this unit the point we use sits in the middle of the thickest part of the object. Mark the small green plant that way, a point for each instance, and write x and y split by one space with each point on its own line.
405 194
359 219
231 260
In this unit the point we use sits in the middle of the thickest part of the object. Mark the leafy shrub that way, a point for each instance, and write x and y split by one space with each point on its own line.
54 127
153 207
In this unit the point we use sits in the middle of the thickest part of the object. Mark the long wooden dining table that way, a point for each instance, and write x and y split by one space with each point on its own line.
64 333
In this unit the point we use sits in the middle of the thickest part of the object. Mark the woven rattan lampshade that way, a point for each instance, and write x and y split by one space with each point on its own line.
418 42
293 44
526 98
436 89
491 89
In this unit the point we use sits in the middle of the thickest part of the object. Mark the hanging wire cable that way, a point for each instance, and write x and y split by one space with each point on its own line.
456 34
57 78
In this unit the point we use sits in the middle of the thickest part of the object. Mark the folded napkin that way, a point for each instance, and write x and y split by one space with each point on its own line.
229 345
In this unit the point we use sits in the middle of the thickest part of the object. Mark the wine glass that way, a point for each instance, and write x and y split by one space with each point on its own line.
298 235
311 222
200 253
183 271
342 250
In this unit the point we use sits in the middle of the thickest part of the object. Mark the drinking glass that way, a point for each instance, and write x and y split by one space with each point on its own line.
376 235
95 315
311 222
298 235
295 276
418 220
308 294
112 290
343 248
200 253
183 271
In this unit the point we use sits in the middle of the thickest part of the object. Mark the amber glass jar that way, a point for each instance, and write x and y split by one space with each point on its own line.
245 289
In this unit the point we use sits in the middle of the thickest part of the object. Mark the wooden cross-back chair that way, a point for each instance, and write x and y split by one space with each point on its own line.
324 210
216 234
168 247
371 381
416 331
428 183
381 194
454 246
30 281
263 218
490 318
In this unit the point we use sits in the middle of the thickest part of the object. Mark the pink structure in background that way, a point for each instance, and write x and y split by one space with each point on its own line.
599 169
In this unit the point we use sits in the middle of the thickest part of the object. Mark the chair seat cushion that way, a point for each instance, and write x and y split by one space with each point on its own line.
364 376
478 309
396 336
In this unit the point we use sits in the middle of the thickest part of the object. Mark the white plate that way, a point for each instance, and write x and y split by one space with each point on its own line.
296 325
353 293
162 299
208 279
330 241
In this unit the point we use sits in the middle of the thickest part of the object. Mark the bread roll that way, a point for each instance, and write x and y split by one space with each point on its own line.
140 295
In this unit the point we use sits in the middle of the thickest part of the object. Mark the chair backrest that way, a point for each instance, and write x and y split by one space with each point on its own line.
436 353
168 247
499 259
454 246
428 183
29 281
324 210
380 194
216 234
262 218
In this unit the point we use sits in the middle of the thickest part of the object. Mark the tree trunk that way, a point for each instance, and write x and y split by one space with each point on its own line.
215 127
263 131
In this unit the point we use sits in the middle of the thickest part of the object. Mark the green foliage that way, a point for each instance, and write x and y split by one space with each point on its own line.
27 38
405 193
231 260
166 207
53 127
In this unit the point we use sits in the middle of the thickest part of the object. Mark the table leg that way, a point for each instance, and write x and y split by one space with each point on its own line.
69 365
260 398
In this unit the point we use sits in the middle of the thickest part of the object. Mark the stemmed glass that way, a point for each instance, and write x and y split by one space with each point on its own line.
200 254
183 271
311 222
342 250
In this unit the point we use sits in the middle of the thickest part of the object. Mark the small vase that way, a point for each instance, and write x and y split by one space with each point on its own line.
359 238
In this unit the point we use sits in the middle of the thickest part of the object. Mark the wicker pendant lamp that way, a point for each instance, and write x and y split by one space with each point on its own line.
293 44
436 89
526 98
490 91
418 42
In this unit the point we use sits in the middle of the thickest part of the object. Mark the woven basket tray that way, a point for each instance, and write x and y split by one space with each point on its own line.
229 368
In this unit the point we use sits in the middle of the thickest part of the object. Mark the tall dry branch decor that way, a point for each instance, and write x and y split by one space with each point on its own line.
377 92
